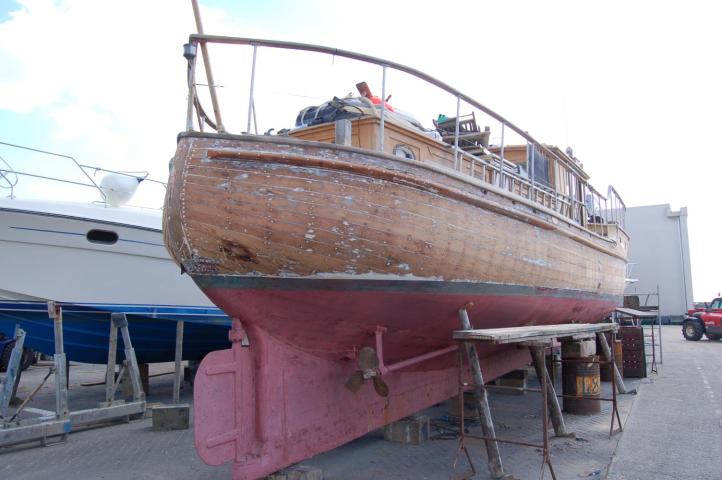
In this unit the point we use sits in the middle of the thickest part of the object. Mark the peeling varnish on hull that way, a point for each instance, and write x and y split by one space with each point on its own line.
330 216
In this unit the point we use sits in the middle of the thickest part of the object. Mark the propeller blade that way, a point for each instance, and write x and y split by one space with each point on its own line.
380 386
367 359
355 381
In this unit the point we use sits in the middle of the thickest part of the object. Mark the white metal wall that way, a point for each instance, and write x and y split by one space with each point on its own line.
659 252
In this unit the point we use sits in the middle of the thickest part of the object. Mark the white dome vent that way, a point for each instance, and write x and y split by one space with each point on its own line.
118 188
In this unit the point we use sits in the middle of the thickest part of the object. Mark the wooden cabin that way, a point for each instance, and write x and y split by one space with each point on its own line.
555 178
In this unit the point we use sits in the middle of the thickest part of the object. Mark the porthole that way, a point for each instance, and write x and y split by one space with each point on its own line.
404 152
105 237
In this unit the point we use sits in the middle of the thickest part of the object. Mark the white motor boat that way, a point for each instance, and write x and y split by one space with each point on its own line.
94 259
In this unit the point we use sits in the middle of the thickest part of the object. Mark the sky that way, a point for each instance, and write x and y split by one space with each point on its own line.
632 87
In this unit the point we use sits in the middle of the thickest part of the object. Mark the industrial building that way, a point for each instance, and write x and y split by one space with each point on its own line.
659 259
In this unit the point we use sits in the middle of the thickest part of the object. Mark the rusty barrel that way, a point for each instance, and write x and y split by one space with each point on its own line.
580 378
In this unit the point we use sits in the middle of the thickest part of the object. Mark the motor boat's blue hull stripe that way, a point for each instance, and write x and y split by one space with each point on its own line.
189 311
85 330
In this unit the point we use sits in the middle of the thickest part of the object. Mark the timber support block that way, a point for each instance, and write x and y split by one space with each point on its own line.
171 417
297 472
412 430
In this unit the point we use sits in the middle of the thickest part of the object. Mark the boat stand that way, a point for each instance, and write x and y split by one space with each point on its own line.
537 339
175 416
12 377
60 422
178 374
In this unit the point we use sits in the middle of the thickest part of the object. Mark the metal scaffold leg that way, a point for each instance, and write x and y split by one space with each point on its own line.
546 462
653 368
462 446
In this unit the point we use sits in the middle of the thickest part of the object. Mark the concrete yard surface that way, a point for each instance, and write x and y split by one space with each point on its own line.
516 417
118 451
675 428
671 432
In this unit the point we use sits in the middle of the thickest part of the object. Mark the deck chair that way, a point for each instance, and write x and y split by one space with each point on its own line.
471 138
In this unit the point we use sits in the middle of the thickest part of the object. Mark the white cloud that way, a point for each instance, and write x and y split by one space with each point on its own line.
110 74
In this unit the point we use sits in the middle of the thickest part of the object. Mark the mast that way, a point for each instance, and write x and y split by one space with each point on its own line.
209 72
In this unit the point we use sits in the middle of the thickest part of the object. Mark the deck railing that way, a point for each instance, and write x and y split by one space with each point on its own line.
9 176
580 204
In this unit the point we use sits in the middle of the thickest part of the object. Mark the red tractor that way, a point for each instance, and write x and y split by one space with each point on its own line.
704 321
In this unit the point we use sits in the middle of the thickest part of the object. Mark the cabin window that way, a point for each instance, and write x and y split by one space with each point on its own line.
404 151
538 165
105 237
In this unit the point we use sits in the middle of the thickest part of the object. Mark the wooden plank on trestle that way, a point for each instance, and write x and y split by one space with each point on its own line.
637 313
532 333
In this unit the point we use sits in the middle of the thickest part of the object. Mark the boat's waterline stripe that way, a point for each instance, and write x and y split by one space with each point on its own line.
61 232
207 282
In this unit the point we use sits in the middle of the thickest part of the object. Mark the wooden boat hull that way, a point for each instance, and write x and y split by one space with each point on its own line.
255 207
314 248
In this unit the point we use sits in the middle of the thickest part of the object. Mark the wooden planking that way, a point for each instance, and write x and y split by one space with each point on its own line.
532 333
268 208
249 202
253 212
433 181
443 182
